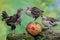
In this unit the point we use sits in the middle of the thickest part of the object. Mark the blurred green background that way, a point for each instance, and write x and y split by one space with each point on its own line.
51 8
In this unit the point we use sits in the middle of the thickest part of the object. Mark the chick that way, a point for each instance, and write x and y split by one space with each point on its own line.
12 20
49 22
34 12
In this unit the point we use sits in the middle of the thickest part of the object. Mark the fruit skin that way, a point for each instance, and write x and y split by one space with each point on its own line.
34 28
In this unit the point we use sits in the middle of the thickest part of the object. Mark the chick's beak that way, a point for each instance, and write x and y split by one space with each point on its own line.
29 8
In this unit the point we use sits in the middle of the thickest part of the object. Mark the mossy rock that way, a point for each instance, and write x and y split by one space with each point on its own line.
20 37
50 35
44 35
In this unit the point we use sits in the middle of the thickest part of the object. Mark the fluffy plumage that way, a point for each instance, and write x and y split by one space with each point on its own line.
12 20
49 22
34 12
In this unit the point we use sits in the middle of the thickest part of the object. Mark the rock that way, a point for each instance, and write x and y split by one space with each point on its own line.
50 35
44 35
20 37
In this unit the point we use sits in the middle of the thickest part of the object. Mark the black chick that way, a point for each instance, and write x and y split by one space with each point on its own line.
12 20
34 12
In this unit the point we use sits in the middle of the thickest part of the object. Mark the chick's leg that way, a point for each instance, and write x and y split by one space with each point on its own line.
13 27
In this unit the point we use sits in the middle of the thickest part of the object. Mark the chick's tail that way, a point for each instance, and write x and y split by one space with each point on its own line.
4 15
